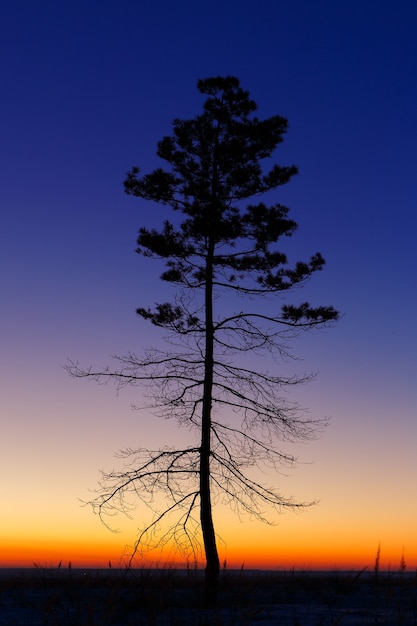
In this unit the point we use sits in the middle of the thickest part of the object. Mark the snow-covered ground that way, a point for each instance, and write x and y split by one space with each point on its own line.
49 597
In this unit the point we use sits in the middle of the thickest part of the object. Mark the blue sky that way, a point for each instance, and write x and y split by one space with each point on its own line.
88 88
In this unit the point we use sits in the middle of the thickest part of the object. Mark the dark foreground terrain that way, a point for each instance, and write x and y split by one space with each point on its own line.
49 597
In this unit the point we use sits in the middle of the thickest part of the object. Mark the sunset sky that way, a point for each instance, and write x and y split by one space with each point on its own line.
88 88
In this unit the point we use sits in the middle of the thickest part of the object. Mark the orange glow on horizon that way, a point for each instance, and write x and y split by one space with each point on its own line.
78 555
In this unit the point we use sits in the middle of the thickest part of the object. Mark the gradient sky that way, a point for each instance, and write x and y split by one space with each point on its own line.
88 88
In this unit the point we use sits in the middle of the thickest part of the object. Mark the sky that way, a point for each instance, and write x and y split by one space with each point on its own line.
88 88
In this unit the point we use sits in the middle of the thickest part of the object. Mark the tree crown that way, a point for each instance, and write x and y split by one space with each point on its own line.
215 166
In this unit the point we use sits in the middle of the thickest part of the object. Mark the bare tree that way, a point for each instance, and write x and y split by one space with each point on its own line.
224 260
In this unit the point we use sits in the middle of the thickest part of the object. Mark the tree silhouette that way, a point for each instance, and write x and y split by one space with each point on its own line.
221 253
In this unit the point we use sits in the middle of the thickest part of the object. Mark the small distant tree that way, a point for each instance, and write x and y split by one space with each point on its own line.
225 257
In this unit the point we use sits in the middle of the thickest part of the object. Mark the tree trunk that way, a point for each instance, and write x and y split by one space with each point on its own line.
206 517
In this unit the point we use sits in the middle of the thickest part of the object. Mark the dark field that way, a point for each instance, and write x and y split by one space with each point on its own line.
168 597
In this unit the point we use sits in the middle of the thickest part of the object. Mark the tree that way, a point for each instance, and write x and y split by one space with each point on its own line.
218 244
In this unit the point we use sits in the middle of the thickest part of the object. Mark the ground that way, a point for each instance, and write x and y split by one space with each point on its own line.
45 596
